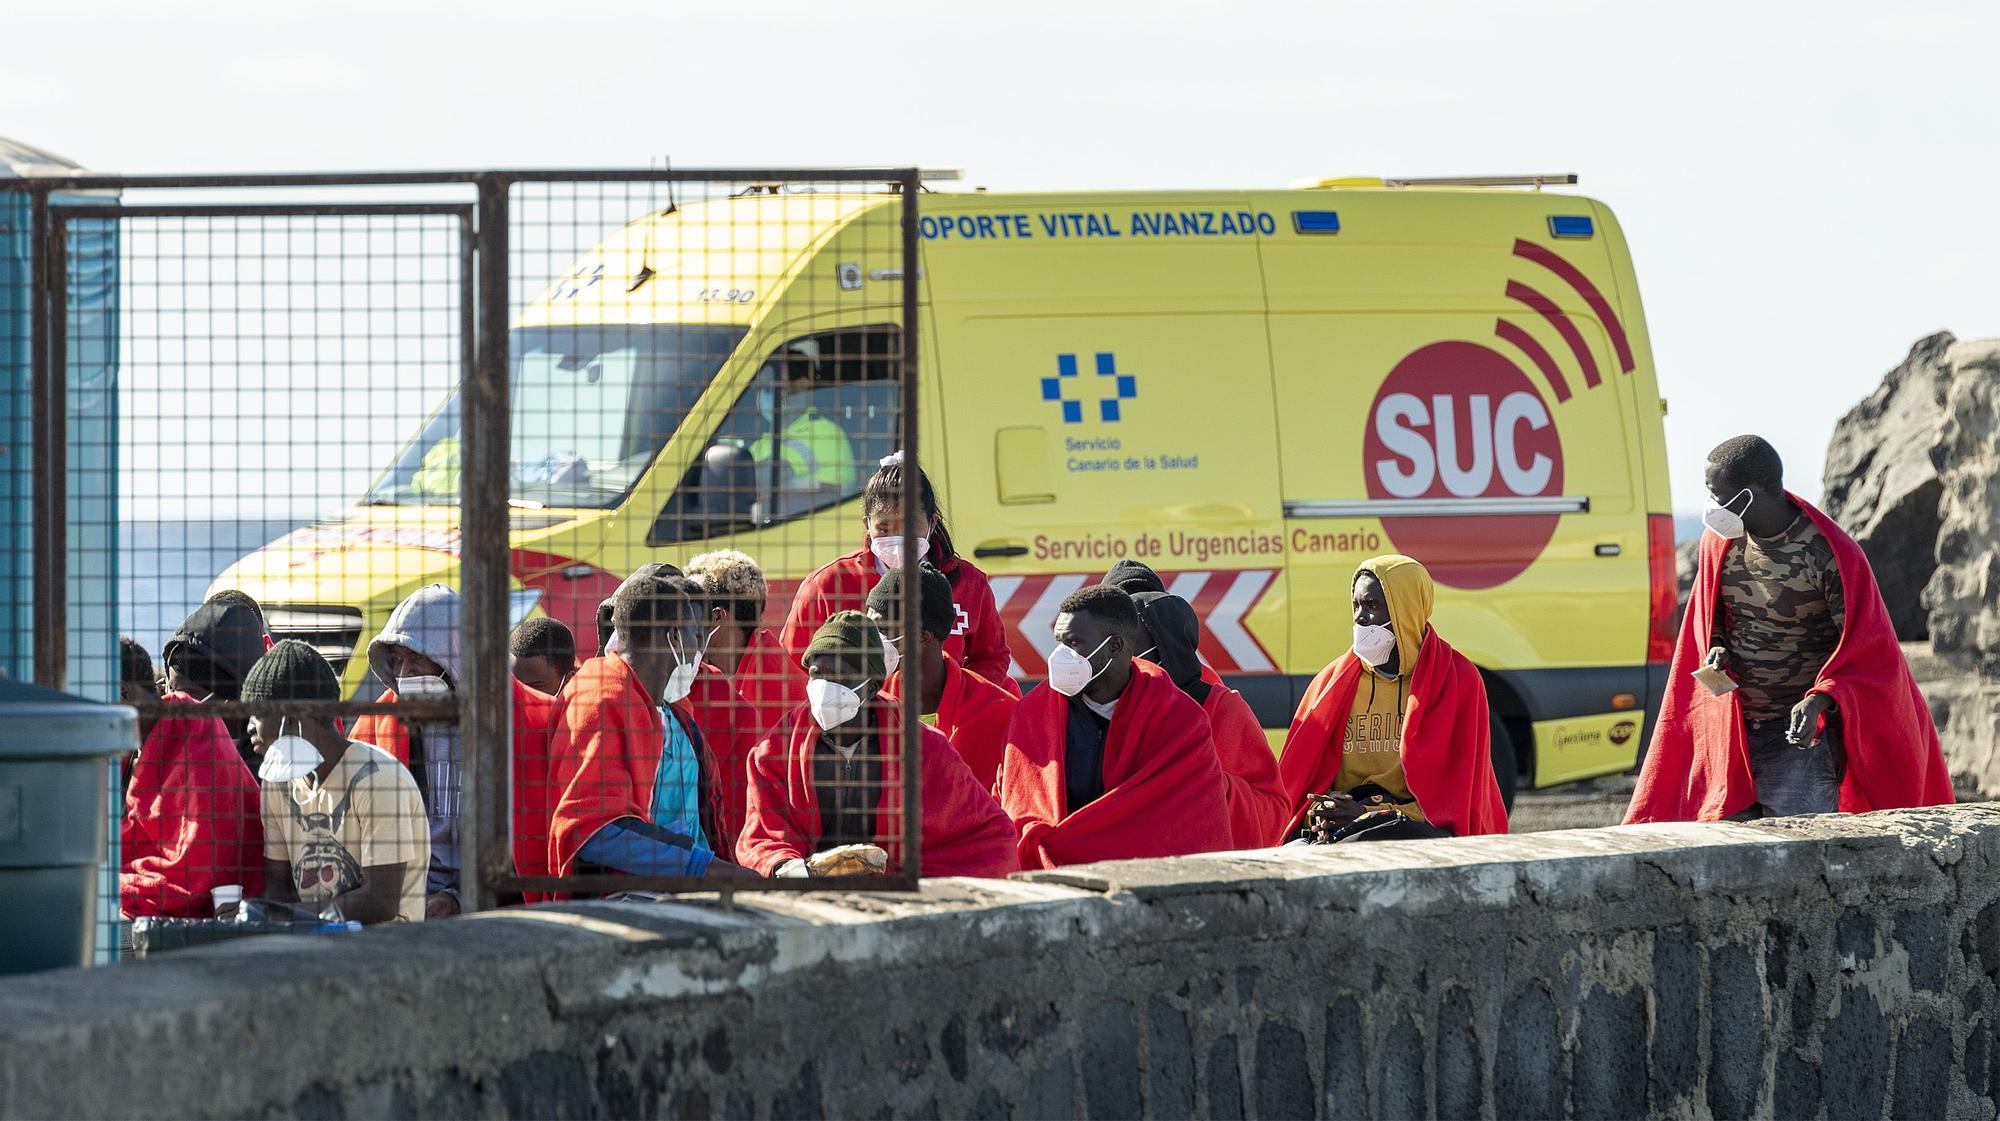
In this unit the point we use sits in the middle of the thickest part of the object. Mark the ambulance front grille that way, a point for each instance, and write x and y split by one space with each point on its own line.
333 631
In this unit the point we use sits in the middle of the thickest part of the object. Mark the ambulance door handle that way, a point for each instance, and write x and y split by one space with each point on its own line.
986 549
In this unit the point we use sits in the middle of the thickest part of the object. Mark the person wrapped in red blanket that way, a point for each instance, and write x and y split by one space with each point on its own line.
744 695
194 819
635 788
826 786
1258 807
1392 740
1109 760
1816 709
967 709
978 642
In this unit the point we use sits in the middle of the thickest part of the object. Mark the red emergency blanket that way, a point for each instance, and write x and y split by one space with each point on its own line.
1698 766
973 714
1163 787
964 832
1447 741
193 820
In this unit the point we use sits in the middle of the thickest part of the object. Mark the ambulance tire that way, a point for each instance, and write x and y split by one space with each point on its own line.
1506 765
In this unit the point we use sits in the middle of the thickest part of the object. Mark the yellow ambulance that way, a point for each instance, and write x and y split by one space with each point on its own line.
1251 391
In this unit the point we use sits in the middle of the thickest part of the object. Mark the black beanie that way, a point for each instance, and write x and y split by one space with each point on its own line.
936 612
292 671
1132 577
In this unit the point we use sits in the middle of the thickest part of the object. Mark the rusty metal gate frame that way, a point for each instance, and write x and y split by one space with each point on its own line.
482 710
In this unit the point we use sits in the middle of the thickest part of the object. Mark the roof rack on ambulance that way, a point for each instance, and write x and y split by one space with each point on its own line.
1536 181
924 175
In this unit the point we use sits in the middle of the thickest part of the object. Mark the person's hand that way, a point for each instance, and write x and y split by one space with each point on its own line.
1718 659
440 906
1804 730
1332 811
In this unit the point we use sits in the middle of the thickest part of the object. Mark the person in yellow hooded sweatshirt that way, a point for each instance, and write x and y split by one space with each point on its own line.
1392 741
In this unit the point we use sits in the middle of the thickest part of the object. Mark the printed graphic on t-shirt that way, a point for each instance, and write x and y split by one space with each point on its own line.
324 869
1370 733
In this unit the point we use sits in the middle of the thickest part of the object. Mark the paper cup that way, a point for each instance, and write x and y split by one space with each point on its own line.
228 895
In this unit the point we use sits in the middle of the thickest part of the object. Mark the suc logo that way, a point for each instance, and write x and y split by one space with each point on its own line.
1459 419
1622 732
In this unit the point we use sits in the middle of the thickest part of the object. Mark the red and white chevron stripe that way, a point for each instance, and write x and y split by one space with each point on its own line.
1221 599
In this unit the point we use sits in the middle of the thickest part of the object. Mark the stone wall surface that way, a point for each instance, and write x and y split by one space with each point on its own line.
1819 967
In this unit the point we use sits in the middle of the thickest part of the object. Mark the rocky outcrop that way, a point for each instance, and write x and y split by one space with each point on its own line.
1882 484
1963 595
1686 555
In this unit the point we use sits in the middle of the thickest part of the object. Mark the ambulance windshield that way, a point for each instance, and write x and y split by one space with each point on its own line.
593 406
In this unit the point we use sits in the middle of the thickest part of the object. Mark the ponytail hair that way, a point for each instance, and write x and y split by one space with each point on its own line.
884 491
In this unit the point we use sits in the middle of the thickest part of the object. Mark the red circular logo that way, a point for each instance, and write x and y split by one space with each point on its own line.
1456 420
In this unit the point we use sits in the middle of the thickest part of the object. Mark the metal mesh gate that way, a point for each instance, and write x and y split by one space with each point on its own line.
428 430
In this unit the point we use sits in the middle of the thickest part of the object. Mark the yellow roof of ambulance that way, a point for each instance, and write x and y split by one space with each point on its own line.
757 243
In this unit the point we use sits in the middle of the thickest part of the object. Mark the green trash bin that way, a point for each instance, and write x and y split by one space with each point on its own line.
54 751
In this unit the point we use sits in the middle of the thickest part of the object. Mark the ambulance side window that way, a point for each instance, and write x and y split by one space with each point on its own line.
820 415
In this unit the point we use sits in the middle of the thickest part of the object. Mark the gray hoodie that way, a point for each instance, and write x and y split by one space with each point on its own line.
428 622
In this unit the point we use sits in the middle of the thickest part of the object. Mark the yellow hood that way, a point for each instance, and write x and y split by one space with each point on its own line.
1406 584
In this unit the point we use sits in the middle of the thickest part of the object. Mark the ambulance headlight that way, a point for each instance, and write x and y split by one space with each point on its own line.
520 603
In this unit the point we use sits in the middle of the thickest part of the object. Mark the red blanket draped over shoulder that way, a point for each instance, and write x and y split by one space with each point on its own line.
771 682
1258 806
605 755
964 831
1447 741
193 820
973 714
728 731
1698 767
1163 788
843 585
534 727
534 800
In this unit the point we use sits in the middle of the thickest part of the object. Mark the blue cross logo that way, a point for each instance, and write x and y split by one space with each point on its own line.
1123 387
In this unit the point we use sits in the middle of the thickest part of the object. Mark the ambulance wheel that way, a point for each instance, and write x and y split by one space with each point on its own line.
1506 765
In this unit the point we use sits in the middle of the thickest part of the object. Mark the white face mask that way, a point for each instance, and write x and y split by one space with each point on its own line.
1373 644
288 758
1070 672
832 703
681 682
430 685
889 550
1724 522
891 657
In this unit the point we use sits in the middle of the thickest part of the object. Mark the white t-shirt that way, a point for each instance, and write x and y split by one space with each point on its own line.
367 813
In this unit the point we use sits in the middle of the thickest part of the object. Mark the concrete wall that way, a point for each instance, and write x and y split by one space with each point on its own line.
1833 967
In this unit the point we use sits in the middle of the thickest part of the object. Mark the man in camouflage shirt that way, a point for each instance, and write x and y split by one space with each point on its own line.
1778 620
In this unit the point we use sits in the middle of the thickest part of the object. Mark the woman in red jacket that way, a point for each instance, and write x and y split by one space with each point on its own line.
979 643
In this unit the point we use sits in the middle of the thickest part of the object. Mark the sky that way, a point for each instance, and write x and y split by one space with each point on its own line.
1806 188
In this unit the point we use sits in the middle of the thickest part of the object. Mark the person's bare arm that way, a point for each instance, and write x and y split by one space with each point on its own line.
278 886
379 899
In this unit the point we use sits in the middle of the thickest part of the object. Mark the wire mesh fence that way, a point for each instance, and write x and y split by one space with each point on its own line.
495 537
